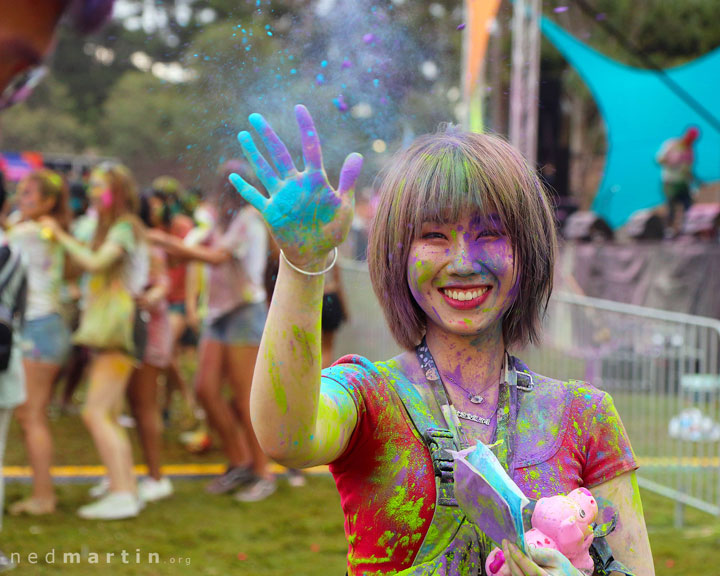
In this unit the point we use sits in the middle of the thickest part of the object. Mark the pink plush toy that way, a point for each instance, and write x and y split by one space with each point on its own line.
562 523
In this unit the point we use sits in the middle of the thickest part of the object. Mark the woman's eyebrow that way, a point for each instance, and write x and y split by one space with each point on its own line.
486 220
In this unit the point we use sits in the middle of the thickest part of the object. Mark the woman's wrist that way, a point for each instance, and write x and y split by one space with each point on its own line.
317 266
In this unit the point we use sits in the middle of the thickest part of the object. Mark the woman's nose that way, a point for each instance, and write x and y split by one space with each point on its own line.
460 261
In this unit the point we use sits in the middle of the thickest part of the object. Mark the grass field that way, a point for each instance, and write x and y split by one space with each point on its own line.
299 531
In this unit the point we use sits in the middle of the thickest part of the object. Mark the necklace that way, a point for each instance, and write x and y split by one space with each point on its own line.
474 398
475 417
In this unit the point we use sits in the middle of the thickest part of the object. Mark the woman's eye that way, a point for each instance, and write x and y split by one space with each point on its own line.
434 235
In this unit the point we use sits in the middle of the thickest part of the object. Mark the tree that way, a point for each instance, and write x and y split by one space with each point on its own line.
35 125
147 122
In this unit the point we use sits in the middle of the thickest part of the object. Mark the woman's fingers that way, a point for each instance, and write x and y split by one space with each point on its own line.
263 170
518 563
312 154
278 151
248 192
350 172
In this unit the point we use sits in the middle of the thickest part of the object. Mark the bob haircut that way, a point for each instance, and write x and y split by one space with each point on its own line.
440 178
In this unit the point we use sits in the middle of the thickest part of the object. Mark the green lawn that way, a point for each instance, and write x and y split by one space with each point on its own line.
298 531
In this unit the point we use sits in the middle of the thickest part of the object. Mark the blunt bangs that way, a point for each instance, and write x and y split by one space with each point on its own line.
440 178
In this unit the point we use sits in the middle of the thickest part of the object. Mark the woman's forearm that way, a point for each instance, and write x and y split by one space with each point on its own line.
177 248
87 258
293 423
629 541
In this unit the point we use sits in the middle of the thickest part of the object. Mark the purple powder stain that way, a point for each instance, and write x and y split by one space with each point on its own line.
320 79
601 16
461 26
346 64
560 9
340 103
369 38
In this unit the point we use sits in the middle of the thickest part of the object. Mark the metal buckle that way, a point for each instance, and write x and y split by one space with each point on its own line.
439 442
528 384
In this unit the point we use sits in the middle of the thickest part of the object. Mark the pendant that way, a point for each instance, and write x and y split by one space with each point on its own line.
477 399
473 417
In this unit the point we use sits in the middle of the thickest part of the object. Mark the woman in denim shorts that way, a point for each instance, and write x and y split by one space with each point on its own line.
236 252
45 336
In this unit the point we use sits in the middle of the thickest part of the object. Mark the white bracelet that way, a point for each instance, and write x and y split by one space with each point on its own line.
320 273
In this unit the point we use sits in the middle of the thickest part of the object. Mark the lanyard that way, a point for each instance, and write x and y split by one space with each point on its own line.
507 408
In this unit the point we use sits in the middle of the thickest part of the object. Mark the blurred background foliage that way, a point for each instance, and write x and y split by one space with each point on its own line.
167 84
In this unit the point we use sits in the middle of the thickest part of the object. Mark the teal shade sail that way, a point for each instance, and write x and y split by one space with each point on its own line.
641 112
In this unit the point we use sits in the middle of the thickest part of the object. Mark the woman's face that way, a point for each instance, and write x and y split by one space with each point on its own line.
31 201
101 197
157 206
461 274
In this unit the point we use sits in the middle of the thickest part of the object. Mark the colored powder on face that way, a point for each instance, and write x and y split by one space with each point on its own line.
461 27
560 9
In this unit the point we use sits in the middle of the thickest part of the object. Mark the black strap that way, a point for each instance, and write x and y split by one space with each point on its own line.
605 563
440 441
12 276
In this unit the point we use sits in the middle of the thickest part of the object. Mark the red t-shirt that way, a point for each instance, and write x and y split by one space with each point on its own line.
385 477
177 271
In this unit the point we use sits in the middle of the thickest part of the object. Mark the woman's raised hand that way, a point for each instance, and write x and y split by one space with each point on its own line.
307 217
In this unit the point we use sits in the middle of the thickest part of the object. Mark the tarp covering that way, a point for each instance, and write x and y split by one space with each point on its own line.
640 113
679 276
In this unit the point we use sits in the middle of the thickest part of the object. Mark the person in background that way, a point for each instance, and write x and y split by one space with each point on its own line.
677 158
143 388
111 326
45 335
237 253
12 379
167 191
82 227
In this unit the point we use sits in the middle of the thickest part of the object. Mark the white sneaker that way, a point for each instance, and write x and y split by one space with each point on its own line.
101 488
295 478
114 506
258 490
151 490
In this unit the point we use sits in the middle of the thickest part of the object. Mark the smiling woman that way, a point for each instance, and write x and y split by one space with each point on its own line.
461 259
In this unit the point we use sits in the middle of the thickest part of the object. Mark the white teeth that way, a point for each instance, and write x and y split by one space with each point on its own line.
464 295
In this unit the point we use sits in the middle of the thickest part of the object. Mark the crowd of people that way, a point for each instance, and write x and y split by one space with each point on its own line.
116 284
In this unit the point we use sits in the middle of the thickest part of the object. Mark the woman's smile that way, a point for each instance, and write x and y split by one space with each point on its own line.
465 298
461 274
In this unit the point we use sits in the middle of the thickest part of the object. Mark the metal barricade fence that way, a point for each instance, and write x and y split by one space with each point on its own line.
367 333
662 371
661 368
